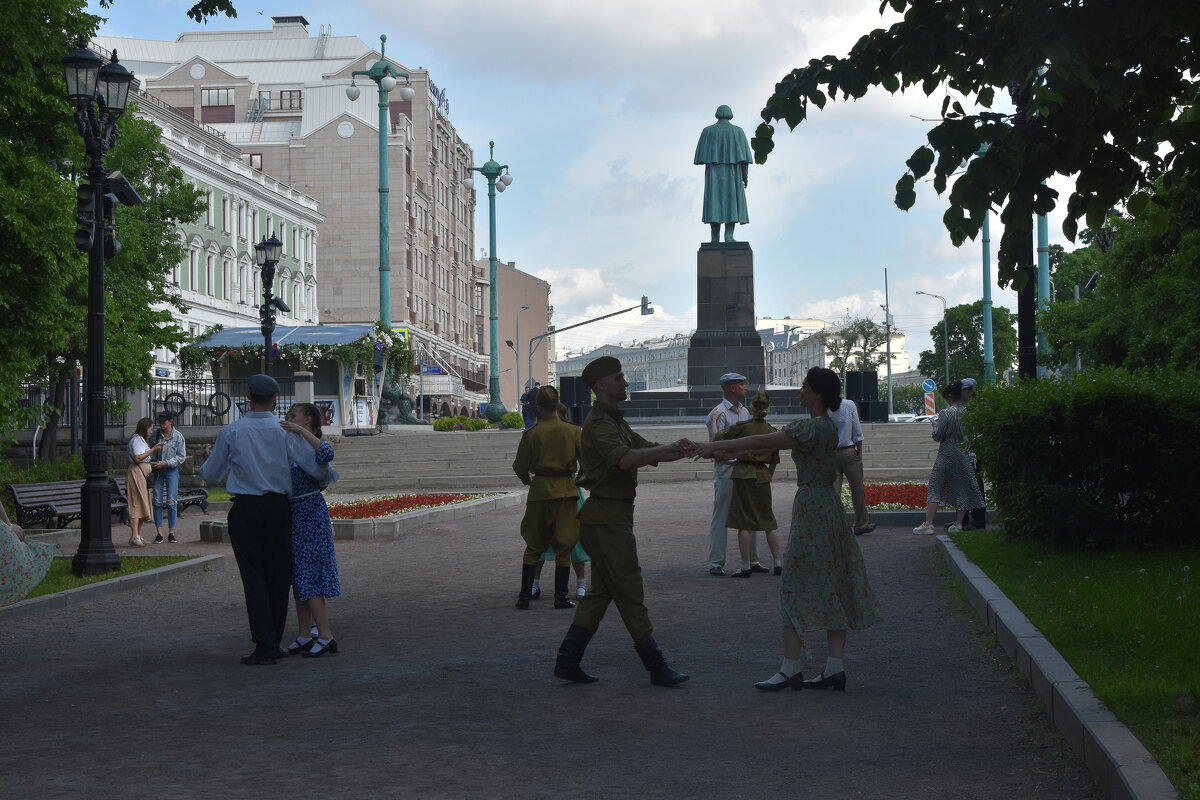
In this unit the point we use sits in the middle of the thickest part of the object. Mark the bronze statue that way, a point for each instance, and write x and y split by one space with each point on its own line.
396 408
725 153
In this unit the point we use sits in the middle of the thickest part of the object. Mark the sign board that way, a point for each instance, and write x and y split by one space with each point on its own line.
403 334
930 404
162 372
431 369
929 385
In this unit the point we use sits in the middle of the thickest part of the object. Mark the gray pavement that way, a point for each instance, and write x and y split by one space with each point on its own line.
443 689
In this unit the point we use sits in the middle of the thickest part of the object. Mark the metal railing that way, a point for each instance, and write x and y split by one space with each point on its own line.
210 401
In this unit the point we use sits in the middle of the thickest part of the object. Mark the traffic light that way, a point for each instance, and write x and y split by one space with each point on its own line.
111 245
85 217
646 309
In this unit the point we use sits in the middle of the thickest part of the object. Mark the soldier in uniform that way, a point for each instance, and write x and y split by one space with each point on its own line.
546 462
609 459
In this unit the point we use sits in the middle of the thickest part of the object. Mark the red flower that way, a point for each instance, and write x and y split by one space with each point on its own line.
393 504
910 495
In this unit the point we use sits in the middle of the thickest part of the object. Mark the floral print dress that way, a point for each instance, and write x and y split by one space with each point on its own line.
315 573
825 584
22 564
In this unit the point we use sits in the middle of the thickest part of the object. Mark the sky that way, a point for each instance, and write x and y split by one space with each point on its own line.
596 109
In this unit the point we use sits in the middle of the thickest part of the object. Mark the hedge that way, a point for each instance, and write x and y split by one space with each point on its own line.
1104 457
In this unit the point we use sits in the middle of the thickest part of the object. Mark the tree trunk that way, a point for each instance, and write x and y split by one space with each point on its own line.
48 446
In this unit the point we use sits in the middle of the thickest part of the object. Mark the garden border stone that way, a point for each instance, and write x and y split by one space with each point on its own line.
1117 760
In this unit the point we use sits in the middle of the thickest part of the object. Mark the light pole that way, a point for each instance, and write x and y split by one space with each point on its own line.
99 94
384 75
888 324
498 178
516 348
945 331
266 255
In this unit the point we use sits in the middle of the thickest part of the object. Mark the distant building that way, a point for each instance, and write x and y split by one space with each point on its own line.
658 363
791 356
515 289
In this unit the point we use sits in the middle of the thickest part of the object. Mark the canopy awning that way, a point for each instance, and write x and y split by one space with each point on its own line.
290 334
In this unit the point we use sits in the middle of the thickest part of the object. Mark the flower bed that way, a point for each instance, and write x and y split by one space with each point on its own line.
890 496
388 505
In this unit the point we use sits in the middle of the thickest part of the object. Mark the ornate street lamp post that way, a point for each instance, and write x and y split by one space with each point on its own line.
266 255
384 75
498 178
99 94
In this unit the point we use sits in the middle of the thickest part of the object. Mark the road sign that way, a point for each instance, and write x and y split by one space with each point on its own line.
929 385
431 369
930 404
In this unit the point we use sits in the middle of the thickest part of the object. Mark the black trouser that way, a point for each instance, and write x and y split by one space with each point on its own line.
260 530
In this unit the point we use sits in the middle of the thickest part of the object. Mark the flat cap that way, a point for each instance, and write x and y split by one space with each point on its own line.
547 397
968 383
263 385
731 377
602 367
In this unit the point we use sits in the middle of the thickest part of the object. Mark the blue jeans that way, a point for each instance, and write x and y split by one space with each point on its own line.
166 480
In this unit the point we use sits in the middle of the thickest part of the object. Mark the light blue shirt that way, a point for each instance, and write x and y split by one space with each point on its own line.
251 457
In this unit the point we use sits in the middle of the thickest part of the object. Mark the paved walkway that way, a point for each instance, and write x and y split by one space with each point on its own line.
443 690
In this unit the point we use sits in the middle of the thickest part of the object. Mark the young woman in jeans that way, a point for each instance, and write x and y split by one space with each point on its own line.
165 469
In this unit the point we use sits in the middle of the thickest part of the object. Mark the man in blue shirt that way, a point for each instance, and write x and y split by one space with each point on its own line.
251 456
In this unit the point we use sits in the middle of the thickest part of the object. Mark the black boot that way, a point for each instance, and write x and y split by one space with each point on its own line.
570 653
527 571
661 673
562 577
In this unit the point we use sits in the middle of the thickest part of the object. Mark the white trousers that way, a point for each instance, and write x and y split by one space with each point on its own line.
718 533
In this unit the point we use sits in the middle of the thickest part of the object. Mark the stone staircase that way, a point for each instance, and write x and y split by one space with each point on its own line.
418 458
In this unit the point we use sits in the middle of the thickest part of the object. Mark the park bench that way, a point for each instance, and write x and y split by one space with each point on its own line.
55 503
187 497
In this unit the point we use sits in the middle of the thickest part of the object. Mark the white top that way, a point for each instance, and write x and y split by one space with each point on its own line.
254 451
846 419
137 446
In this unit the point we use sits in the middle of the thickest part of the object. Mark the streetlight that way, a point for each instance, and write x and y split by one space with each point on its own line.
99 93
945 331
498 177
385 75
517 354
266 255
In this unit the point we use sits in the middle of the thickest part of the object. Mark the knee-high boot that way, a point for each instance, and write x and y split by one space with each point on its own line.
527 571
661 673
562 577
570 653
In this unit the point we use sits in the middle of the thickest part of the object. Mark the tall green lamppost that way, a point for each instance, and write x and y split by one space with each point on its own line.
384 75
498 179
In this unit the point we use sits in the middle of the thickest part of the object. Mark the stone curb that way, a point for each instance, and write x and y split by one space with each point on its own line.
123 583
388 528
1117 760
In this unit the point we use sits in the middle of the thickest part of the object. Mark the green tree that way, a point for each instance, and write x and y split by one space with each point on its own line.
1145 309
1106 93
1071 269
966 343
201 11
856 344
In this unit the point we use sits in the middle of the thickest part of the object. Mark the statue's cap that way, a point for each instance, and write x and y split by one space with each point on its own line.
600 368
724 112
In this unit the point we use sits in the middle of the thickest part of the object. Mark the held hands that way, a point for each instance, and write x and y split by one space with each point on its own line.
710 450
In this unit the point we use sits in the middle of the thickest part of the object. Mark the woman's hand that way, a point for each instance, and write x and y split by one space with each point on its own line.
710 450
292 427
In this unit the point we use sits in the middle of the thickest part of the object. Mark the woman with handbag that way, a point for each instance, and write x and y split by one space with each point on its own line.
166 474
136 475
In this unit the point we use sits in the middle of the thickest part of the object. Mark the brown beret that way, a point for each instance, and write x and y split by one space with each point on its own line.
600 368
547 397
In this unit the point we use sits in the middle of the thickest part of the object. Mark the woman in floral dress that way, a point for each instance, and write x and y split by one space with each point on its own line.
952 480
23 564
825 582
315 572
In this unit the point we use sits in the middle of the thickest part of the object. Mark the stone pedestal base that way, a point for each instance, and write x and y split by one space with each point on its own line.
725 338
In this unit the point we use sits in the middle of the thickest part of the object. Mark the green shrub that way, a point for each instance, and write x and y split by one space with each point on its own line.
512 419
1099 458
477 424
448 423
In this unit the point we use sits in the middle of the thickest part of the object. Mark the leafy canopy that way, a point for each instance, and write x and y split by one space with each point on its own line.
1115 108
966 343
858 343
201 11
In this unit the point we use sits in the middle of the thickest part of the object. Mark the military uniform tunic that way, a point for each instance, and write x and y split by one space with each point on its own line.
750 508
550 451
606 523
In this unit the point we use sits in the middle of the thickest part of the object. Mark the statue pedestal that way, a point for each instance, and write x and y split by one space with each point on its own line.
725 338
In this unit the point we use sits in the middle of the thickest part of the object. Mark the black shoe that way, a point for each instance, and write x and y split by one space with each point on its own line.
570 653
837 682
295 648
259 659
870 527
562 579
317 649
159 539
526 594
778 570
562 602
536 593
742 573
716 571
757 567
661 673
795 682
171 539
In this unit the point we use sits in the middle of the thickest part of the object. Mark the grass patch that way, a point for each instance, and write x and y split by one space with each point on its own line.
1126 622
60 578
217 494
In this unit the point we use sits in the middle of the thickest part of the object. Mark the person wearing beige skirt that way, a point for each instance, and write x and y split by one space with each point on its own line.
135 480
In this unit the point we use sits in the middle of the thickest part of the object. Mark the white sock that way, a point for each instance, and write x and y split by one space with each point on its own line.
832 666
581 584
536 584
303 640
745 566
790 666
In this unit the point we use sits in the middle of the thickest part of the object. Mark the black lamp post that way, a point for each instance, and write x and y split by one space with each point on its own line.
266 254
99 93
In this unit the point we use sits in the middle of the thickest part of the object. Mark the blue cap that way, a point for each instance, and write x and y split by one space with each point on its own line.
263 385
731 377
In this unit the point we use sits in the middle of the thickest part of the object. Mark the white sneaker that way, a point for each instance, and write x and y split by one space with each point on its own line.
924 527
954 528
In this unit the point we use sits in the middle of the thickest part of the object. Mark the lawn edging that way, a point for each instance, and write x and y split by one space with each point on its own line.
390 527
112 586
1119 762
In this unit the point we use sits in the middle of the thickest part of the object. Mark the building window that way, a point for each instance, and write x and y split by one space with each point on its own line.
193 265
209 269
216 105
287 100
208 207
256 161
225 213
